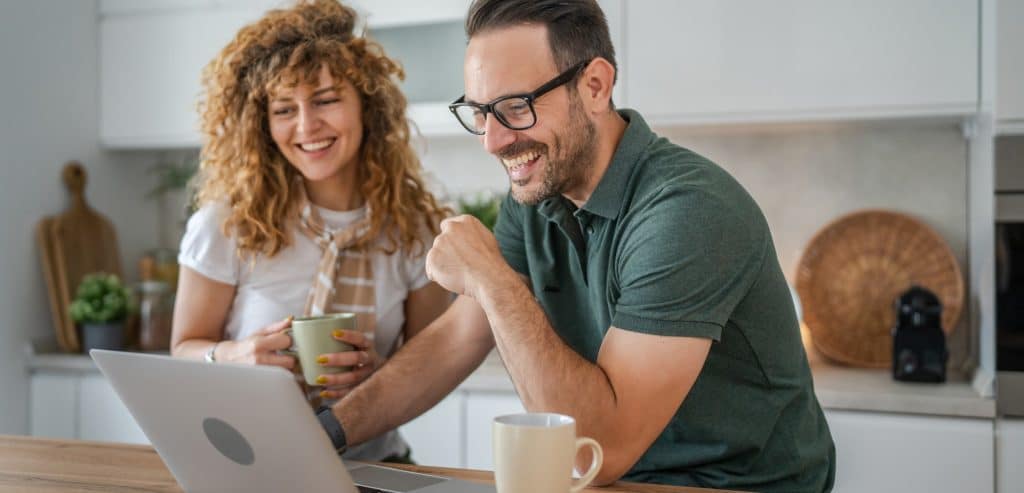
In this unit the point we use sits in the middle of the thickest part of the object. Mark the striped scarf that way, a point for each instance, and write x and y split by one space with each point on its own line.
344 279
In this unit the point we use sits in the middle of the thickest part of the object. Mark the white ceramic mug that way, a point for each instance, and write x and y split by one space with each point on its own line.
536 453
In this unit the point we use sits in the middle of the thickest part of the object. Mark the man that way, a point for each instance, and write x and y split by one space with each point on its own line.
629 283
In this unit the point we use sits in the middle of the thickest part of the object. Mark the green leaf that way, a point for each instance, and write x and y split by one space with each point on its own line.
100 297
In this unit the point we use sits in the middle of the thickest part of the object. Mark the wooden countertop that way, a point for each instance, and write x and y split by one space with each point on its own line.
59 466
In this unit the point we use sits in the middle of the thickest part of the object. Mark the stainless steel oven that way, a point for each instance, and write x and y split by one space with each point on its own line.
1010 274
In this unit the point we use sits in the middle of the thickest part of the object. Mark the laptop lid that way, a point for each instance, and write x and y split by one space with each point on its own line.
225 427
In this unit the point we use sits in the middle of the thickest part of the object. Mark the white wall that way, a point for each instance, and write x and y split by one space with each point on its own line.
803 177
49 115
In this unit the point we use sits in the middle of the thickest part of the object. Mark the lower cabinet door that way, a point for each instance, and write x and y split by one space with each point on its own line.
102 415
881 453
1010 455
53 404
436 436
481 409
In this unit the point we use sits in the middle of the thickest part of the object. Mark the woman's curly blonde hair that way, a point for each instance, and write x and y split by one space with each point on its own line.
240 163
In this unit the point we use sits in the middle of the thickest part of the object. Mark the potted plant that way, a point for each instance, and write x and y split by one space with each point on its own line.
100 308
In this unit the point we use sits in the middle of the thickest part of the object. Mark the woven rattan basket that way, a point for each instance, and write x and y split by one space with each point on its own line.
854 269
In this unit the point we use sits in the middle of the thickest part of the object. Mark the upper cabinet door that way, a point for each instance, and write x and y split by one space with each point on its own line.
1010 63
150 68
152 55
693 61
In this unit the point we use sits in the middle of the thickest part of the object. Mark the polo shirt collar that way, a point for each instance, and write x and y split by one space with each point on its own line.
607 197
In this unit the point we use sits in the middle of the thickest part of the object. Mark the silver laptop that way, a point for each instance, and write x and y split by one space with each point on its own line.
223 427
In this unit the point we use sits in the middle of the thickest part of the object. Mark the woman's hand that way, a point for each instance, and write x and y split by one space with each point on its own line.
260 348
363 359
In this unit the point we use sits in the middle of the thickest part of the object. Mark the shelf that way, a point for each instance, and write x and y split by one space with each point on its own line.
1010 127
432 120
929 113
866 389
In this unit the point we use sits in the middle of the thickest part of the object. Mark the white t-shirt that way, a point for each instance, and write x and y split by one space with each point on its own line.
270 289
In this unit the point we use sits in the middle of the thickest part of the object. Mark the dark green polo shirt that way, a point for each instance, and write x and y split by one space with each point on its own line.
670 244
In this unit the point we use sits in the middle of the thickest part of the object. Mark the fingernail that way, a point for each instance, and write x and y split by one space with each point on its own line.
338 333
324 394
290 318
321 380
321 359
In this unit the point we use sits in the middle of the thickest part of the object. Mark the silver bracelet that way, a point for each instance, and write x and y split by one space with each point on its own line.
210 356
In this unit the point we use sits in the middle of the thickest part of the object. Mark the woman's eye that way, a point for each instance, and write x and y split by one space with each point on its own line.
282 111
324 102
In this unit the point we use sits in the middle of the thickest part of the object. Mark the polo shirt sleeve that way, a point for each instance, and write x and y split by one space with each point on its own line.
509 232
687 259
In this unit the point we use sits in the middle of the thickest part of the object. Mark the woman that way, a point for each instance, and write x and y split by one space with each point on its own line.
310 201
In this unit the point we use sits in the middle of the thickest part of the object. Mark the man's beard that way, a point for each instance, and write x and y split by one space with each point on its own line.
565 169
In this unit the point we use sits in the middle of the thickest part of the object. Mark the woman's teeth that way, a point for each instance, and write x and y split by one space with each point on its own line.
520 160
316 146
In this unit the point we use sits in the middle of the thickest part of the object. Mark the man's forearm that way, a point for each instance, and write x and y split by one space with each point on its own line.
548 375
419 375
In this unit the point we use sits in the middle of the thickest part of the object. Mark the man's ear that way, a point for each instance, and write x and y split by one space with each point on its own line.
595 85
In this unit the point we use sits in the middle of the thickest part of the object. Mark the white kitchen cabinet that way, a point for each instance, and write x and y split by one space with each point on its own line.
436 436
881 453
1010 455
152 56
457 432
700 61
122 7
481 409
1010 65
81 406
102 415
150 66
53 405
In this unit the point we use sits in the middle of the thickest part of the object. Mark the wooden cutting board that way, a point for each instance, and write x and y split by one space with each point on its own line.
82 242
57 310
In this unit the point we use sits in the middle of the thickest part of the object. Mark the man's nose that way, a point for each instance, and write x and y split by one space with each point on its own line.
496 136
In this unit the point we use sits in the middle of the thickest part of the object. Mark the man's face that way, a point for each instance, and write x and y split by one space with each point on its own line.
554 156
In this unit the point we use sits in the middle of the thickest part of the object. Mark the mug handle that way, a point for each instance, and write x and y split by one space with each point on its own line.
289 351
595 463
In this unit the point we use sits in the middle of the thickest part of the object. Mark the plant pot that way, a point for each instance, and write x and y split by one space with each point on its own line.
109 335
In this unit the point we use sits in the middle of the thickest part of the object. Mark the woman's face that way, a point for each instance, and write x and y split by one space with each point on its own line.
318 128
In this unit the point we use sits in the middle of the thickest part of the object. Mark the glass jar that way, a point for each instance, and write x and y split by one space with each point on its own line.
156 306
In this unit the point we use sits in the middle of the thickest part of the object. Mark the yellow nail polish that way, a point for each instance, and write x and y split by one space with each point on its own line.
321 359
338 333
290 318
321 380
325 394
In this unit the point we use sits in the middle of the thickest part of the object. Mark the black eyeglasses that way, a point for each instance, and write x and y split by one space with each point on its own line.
514 111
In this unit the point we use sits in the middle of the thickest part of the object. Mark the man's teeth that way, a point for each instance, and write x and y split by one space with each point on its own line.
520 159
316 146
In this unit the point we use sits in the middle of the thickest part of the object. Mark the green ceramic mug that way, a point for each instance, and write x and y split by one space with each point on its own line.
312 337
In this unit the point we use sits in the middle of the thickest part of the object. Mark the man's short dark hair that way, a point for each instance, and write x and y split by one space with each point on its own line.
577 29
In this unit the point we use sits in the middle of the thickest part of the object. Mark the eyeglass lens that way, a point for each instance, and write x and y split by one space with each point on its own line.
514 113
